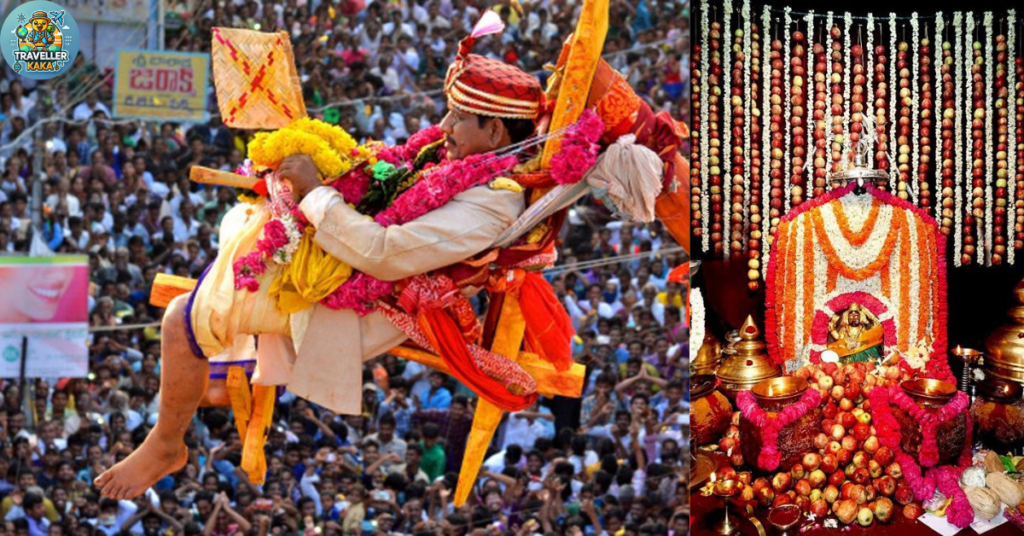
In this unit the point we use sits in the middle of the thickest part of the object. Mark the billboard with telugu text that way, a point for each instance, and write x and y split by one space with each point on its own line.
161 85
44 301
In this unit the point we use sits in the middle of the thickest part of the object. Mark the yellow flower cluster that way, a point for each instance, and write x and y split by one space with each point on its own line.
338 139
330 147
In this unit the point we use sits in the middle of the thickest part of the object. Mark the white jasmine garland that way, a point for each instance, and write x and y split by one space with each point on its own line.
284 254
915 147
787 52
894 99
766 148
746 120
697 320
829 135
856 257
958 163
940 26
869 72
705 47
986 251
809 105
847 73
1011 181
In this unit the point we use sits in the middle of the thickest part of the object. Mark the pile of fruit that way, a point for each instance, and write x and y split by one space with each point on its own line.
851 475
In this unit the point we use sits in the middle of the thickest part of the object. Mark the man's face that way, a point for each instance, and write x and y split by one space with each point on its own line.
151 525
458 411
204 508
387 433
534 463
465 137
681 525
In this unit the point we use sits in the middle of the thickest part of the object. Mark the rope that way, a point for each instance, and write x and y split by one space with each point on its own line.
341 104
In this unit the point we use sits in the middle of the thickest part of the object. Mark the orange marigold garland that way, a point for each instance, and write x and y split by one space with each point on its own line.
907 246
872 267
857 238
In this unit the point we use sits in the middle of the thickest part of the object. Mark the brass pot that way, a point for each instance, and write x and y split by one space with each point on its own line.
1004 355
998 414
710 411
932 395
774 395
749 365
709 357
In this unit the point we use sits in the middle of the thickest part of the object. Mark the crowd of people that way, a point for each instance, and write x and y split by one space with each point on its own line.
612 462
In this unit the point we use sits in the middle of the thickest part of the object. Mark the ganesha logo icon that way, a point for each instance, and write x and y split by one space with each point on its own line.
39 39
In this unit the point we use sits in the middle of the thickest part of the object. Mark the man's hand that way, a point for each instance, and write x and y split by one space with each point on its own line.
302 172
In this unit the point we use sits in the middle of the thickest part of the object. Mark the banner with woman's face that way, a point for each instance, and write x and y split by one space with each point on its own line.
44 300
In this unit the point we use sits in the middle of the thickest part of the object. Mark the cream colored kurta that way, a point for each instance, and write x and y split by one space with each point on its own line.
318 353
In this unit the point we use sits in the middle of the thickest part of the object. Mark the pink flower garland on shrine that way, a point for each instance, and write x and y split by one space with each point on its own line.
930 422
943 478
768 459
936 368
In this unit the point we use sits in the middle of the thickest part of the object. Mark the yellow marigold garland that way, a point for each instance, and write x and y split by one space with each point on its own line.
267 150
336 137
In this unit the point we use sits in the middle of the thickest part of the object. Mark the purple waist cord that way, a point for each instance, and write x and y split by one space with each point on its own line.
189 332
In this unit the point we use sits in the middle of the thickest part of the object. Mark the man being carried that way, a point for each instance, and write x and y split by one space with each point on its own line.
491 105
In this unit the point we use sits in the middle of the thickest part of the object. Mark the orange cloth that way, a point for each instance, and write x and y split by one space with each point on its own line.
446 338
549 329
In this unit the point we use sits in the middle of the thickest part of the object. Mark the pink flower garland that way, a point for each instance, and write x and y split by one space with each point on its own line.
943 478
819 329
254 263
768 459
929 422
443 182
936 368
579 149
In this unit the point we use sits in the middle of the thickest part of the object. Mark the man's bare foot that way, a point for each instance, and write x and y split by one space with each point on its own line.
149 463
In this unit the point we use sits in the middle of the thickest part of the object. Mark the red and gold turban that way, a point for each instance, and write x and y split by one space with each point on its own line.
483 86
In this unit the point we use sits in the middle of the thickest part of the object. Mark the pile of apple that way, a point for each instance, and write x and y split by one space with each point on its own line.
853 382
730 442
851 475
